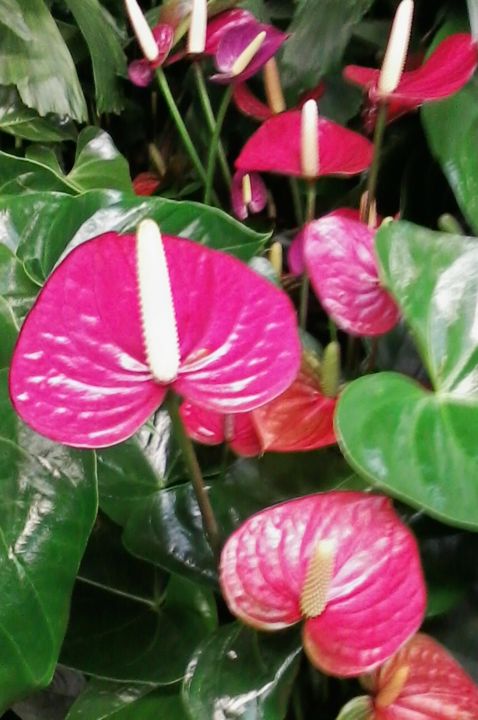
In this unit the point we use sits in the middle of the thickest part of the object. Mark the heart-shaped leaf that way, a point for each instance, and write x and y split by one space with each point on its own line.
23 122
421 446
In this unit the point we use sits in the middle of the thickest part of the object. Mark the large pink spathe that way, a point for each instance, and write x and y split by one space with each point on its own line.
340 260
79 373
376 597
276 147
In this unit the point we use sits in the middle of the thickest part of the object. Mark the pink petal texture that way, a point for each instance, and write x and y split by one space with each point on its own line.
79 372
258 195
435 688
235 40
340 261
220 24
212 428
275 147
248 104
146 183
376 597
445 72
141 72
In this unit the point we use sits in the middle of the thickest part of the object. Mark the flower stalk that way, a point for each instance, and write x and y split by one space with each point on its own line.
215 140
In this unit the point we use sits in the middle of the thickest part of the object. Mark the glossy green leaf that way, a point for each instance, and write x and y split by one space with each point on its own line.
54 702
40 65
11 16
116 636
47 508
451 127
8 333
166 529
359 708
240 673
109 701
16 288
418 445
107 56
23 122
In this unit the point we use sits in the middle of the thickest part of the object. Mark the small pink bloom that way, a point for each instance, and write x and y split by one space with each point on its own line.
146 183
80 374
340 260
445 72
213 428
236 40
220 24
276 147
141 72
422 681
248 104
343 562
241 205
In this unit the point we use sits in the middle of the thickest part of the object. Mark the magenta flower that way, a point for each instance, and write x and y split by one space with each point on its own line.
276 147
249 104
84 370
146 183
141 72
220 24
343 562
339 257
213 428
248 194
421 682
445 72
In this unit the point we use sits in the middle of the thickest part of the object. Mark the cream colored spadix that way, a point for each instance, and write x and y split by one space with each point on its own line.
142 30
393 688
243 60
273 87
275 258
246 189
309 140
320 570
197 27
397 48
160 332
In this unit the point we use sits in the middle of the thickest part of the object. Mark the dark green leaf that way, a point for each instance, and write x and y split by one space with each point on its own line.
54 702
8 333
110 701
107 56
98 164
16 288
23 122
47 507
241 673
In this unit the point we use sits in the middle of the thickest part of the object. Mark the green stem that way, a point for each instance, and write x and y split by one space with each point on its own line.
294 187
207 514
211 159
377 148
304 288
179 122
210 119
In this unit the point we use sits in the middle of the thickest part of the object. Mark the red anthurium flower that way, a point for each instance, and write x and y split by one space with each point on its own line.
422 682
141 72
146 183
248 194
301 418
445 72
249 104
343 562
88 368
339 258
276 147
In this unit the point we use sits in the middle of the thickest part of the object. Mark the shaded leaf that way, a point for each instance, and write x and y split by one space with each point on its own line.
23 122
54 702
12 16
109 701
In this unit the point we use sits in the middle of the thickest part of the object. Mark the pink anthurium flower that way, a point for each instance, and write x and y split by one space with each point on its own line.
249 104
248 194
421 682
445 72
301 418
122 320
276 147
343 563
141 72
146 183
339 258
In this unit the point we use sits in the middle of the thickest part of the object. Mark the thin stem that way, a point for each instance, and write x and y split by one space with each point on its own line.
211 159
294 187
377 147
207 513
210 119
179 122
304 288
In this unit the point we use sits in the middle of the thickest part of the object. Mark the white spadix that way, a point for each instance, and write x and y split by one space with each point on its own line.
197 27
397 49
309 140
142 30
243 60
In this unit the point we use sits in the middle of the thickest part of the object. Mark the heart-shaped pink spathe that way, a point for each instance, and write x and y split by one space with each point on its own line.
258 197
429 683
376 597
250 105
276 147
212 428
445 72
79 373
340 260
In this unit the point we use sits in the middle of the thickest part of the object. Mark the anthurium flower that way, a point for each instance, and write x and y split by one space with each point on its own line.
146 183
422 681
248 194
276 147
141 72
445 72
343 563
123 319
249 104
301 418
339 257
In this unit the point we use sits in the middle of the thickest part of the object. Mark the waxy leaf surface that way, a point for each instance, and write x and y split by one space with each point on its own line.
419 445
122 701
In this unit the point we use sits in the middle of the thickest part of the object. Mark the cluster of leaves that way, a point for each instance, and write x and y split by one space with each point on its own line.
109 585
